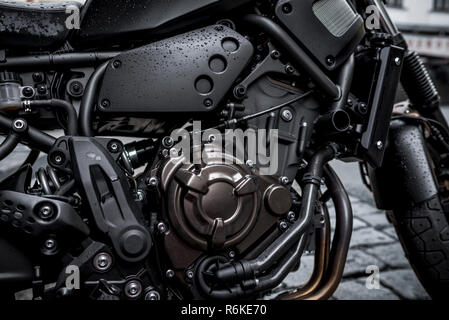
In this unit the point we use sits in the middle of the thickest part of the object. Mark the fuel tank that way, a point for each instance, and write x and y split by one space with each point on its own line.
104 20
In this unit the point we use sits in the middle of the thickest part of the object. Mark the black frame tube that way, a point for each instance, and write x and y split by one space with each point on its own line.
8 145
60 59
35 137
87 108
303 61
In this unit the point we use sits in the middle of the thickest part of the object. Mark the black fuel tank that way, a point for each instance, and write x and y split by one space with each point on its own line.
120 19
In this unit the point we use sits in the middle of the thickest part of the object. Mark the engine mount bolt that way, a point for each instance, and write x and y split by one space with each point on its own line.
161 227
287 115
133 289
46 213
283 225
102 261
152 295
291 216
284 180
380 145
189 274
170 273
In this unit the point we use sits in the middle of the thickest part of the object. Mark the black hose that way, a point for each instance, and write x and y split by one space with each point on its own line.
72 118
303 61
88 103
243 270
8 145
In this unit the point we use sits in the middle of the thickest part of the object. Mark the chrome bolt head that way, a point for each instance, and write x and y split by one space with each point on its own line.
283 226
133 289
284 180
161 227
46 213
379 145
102 261
152 295
170 273
291 216
189 274
397 61
287 115
50 244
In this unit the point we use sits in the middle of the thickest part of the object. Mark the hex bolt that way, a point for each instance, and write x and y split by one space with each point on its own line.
397 61
380 145
170 273
152 182
287 8
76 88
275 54
208 103
50 244
284 180
105 103
189 274
42 89
250 164
291 216
102 261
289 69
231 254
28 92
168 142
161 227
287 115
152 295
330 61
19 124
37 77
114 147
117 64
46 213
240 92
133 289
283 226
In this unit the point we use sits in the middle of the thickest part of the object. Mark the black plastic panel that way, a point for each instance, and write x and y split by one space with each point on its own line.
192 72
330 35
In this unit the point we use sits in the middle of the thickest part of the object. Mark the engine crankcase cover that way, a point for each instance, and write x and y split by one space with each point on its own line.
191 72
221 203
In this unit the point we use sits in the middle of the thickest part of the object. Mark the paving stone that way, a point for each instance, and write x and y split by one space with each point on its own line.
356 290
369 237
362 209
392 254
391 232
404 283
378 220
358 261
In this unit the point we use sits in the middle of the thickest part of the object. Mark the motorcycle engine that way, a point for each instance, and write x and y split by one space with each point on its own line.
218 207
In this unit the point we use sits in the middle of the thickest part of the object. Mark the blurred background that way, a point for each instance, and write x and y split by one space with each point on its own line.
425 24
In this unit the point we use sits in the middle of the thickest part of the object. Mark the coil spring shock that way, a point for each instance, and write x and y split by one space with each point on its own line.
48 180
418 84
